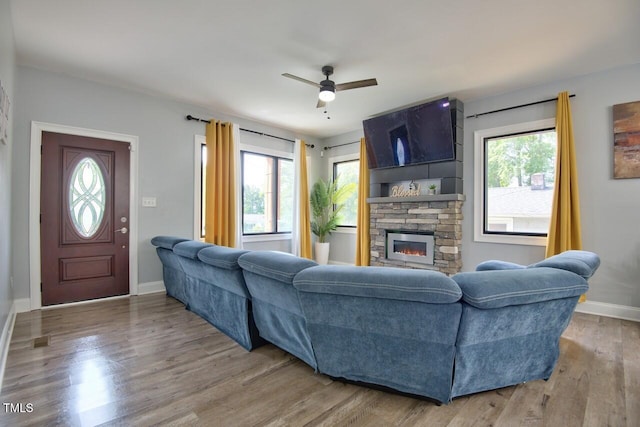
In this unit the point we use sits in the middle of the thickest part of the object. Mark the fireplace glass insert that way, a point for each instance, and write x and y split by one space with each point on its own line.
407 246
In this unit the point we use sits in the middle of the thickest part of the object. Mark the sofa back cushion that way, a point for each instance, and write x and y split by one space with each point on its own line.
584 263
167 242
380 282
190 249
221 257
388 326
274 300
280 266
501 288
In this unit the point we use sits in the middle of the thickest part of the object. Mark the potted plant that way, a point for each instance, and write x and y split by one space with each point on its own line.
432 189
327 199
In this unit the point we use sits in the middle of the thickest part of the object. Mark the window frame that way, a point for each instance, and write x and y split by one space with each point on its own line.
277 156
199 142
331 161
480 185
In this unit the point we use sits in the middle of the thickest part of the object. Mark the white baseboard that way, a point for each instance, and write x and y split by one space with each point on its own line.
151 287
5 341
22 305
609 310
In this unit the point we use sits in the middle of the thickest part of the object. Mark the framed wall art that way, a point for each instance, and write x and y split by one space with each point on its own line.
4 114
626 140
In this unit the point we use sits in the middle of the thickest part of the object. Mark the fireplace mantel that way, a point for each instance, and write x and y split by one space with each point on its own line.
422 198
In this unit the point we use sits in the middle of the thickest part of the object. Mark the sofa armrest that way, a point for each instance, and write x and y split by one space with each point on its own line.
167 242
583 263
501 288
498 265
379 282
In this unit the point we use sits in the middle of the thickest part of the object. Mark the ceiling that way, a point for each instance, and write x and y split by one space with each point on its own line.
228 56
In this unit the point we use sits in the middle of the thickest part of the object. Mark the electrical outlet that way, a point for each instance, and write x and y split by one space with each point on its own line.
149 202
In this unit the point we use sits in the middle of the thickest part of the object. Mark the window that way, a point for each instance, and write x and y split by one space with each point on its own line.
348 171
514 180
267 193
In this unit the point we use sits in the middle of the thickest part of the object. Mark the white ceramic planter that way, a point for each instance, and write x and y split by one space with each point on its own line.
322 253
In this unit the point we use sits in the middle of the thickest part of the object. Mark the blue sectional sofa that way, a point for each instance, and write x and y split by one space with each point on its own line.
415 331
172 272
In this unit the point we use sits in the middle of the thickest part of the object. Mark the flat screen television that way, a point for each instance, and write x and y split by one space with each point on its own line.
420 134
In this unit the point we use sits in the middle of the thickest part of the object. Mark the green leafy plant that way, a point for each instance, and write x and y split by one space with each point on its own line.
432 187
327 199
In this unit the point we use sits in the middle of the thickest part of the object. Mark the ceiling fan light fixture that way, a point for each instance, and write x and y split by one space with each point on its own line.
327 93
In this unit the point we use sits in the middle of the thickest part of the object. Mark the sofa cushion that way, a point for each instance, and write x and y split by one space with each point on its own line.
498 265
167 242
221 256
380 282
501 288
280 266
583 263
190 248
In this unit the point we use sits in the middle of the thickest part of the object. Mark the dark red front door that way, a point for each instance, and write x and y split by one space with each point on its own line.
84 220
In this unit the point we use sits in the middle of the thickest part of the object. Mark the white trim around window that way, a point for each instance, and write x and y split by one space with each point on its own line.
198 142
342 229
479 184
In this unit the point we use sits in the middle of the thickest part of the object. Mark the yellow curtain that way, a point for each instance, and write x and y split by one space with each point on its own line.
363 253
564 228
305 210
220 196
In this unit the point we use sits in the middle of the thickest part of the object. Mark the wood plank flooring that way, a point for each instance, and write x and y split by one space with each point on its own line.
147 361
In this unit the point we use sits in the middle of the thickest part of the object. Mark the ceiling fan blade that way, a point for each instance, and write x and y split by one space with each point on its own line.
356 84
320 104
300 79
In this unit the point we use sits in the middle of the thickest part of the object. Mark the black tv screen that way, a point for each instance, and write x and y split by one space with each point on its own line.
420 134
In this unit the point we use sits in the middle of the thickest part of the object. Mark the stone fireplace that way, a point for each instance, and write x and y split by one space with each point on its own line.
438 217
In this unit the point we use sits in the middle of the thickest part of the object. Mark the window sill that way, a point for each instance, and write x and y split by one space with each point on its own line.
511 240
266 237
345 230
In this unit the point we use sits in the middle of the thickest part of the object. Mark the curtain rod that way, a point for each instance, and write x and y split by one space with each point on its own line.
329 147
190 117
473 116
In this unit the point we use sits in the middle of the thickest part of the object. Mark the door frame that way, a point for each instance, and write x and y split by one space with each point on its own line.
35 168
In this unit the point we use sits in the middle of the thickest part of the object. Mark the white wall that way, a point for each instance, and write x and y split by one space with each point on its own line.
610 208
166 154
7 72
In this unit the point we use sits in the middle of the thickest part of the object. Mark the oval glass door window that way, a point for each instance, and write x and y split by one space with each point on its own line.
87 197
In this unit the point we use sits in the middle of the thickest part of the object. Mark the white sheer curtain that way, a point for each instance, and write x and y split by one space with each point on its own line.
295 231
240 204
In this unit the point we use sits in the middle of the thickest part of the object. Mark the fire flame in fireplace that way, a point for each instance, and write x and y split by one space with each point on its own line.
414 252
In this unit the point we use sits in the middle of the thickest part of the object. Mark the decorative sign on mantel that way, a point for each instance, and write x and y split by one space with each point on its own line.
414 188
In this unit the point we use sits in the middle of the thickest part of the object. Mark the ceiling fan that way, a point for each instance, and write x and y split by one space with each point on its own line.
328 87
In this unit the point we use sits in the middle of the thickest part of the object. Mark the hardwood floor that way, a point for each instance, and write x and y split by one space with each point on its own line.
147 361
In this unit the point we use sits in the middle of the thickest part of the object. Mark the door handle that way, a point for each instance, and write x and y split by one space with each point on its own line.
123 230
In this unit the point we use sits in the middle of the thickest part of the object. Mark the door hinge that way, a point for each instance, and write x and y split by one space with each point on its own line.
40 218
40 286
